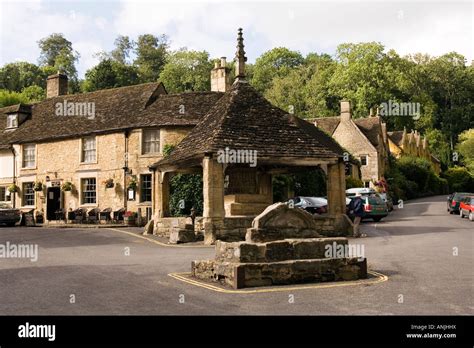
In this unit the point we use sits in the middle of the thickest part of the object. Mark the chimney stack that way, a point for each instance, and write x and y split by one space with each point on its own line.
345 110
56 85
220 76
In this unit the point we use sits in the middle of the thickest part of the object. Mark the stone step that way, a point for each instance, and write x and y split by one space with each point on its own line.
245 208
240 275
288 249
248 198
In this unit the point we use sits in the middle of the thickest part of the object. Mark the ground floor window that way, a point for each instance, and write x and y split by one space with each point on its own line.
145 188
367 184
89 194
3 194
28 194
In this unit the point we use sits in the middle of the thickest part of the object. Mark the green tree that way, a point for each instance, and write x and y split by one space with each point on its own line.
8 98
465 147
110 74
56 51
363 75
187 71
34 93
305 88
18 75
151 57
123 48
452 90
277 62
439 146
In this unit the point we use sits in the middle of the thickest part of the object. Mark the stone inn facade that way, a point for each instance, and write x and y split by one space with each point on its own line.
99 157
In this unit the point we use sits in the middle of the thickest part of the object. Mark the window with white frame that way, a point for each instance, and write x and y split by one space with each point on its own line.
88 150
88 191
363 160
145 188
150 141
28 194
12 121
29 154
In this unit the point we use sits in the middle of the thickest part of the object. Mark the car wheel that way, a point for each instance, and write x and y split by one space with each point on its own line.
461 214
377 219
471 216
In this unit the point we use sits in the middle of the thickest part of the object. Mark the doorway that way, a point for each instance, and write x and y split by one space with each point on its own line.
53 202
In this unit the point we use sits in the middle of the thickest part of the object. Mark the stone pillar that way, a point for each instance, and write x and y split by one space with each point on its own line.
336 187
162 194
213 192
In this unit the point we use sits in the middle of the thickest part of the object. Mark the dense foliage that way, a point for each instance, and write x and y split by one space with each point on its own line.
412 177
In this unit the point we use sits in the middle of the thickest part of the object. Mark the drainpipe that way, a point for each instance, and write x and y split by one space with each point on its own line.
14 176
125 170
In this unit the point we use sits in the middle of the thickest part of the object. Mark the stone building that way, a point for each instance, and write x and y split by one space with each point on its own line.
365 138
237 146
412 144
87 139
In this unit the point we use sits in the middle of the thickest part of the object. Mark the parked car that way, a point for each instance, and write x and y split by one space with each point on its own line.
374 207
362 190
9 215
454 200
313 205
466 207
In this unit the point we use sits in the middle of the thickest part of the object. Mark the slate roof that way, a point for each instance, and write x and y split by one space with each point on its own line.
327 124
137 106
369 126
396 137
243 120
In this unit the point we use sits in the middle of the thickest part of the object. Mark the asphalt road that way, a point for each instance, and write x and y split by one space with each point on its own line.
413 246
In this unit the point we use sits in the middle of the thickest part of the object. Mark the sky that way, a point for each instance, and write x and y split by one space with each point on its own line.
306 26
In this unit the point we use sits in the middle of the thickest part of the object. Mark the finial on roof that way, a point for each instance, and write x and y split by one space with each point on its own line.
240 58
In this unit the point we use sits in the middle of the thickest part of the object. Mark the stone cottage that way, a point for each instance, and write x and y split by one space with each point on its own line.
365 138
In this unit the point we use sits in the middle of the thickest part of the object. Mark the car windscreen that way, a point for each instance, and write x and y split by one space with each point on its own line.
375 200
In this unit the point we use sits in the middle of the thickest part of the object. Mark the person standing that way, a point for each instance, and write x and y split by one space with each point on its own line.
356 209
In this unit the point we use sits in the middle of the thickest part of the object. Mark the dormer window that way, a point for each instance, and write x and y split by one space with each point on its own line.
12 121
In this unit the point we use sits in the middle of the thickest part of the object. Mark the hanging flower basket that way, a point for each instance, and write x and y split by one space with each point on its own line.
38 186
132 185
67 186
109 183
13 188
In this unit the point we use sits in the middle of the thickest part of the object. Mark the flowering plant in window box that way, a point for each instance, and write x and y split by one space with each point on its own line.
109 183
132 185
13 188
38 186
67 186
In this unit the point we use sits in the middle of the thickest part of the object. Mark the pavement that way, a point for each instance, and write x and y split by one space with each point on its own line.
426 253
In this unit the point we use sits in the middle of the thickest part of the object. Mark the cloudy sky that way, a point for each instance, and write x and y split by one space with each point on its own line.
306 26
